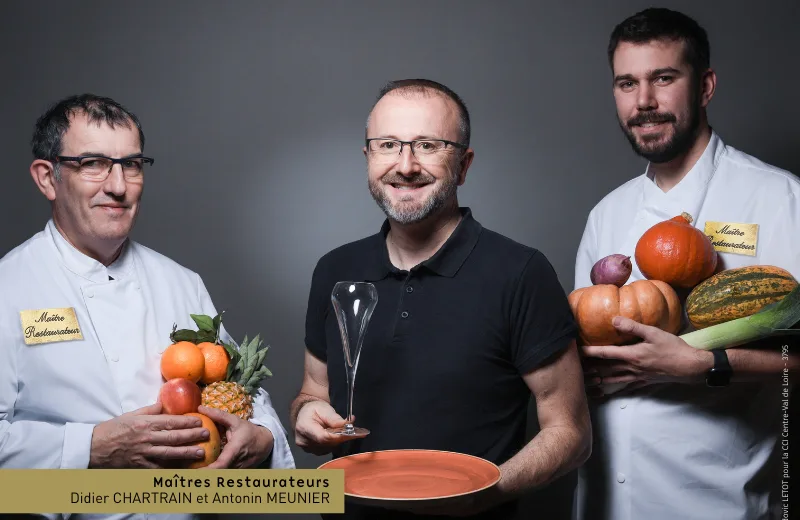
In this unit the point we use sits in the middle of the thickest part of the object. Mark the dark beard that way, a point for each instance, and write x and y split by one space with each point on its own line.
680 143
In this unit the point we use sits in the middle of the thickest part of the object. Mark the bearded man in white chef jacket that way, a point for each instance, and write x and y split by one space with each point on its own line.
680 441
84 394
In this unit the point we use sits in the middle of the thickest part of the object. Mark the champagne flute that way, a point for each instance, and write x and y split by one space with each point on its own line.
353 303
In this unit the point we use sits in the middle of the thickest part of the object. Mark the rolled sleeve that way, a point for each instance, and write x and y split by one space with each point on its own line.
77 446
264 415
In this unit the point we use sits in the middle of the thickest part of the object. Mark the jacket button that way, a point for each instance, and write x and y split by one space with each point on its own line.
404 314
620 478
409 289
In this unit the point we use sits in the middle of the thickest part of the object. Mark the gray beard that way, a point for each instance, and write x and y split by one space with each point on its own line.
406 214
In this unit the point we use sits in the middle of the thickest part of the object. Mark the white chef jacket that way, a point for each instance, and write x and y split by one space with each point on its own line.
680 451
53 394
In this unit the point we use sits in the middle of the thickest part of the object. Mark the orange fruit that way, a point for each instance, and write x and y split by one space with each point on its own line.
216 362
212 446
182 359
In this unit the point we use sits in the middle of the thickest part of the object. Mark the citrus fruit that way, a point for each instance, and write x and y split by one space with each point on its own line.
182 359
212 446
216 362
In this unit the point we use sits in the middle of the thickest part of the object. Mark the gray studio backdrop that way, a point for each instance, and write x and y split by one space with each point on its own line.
255 111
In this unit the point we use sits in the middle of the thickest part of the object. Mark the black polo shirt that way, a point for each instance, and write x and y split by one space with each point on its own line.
442 359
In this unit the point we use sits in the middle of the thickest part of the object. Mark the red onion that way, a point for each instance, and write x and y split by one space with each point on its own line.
613 270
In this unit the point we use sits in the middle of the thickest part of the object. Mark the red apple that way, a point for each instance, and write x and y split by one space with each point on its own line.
179 396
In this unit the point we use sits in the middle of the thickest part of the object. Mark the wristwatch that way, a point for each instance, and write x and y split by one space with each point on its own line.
720 374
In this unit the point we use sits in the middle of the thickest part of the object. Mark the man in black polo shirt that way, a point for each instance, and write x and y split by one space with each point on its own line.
468 323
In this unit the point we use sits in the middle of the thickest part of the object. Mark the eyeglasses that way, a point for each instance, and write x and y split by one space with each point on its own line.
428 151
98 167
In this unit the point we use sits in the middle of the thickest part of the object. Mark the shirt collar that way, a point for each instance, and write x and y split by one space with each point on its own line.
690 192
86 266
445 262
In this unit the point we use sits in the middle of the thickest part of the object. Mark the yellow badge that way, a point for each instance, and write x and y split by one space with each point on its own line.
49 325
731 237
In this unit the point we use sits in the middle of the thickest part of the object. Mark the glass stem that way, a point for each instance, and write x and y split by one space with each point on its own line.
351 373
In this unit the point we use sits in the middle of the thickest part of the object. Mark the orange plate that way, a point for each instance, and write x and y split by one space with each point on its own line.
410 479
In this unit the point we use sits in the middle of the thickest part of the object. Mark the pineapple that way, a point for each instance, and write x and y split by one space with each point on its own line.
246 370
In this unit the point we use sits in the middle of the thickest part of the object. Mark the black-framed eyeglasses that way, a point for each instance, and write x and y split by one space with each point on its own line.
425 150
98 167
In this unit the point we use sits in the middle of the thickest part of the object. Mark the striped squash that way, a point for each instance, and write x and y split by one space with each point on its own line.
737 293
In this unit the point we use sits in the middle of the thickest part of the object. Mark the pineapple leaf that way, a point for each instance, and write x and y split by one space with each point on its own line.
261 374
262 356
252 359
204 323
234 356
243 359
256 379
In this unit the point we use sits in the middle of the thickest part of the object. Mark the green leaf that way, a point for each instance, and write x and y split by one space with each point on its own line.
183 335
261 374
206 336
231 350
234 356
203 322
252 358
244 350
256 379
218 326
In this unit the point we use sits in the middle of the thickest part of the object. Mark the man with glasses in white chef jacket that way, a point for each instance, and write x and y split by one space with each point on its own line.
692 434
86 311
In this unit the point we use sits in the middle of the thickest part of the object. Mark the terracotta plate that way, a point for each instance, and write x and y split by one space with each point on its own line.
407 479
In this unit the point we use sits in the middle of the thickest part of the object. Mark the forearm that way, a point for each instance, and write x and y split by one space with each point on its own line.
751 364
552 453
760 361
40 445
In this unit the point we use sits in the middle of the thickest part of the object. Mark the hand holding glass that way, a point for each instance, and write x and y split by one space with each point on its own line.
353 303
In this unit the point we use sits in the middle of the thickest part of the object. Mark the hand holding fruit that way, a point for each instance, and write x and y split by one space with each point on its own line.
248 444
228 377
660 357
144 438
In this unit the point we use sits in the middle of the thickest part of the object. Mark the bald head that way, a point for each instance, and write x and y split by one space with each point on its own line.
424 88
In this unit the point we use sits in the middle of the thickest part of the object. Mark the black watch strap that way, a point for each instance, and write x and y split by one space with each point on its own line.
720 374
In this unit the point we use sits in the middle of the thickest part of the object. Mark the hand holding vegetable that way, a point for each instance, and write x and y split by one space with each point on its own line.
660 357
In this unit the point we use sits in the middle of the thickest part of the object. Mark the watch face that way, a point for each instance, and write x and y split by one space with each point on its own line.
717 377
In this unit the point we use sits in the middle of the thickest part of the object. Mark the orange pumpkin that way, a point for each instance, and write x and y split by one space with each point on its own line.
651 302
676 252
